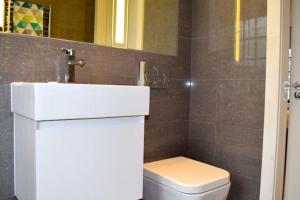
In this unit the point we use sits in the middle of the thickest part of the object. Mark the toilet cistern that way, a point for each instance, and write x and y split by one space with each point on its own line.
69 70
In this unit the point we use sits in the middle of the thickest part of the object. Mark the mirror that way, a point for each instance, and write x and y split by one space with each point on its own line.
148 25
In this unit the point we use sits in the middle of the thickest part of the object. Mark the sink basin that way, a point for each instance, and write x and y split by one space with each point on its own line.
56 101
76 141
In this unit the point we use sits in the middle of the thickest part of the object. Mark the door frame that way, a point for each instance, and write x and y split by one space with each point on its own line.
275 122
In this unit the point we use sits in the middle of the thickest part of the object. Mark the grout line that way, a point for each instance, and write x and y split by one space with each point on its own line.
203 79
216 123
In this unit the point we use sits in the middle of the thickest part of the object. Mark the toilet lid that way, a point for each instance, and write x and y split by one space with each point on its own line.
186 175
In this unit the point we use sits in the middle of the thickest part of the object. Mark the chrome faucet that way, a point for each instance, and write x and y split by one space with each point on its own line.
69 70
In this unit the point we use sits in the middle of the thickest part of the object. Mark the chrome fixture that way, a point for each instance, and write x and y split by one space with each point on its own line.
69 70
296 86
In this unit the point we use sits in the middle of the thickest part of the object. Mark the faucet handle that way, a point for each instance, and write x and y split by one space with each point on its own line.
81 63
69 52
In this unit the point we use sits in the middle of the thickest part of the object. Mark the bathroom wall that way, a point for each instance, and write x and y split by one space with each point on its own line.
227 96
24 58
223 113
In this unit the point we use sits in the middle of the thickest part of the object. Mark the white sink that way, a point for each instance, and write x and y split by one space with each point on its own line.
75 141
55 101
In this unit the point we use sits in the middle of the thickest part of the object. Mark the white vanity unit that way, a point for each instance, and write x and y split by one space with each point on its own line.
78 142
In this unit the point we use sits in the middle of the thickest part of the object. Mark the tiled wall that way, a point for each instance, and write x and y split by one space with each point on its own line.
223 112
35 59
227 98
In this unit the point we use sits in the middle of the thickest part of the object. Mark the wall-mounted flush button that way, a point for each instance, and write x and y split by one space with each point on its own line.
153 75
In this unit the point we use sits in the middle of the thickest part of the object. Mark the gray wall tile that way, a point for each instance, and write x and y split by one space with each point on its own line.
170 105
243 188
9 198
203 101
227 98
6 176
185 19
170 140
26 58
202 138
239 150
241 103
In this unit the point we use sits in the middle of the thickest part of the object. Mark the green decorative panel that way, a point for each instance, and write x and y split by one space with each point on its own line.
28 18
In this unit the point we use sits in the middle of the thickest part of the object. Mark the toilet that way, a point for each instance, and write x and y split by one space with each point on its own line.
181 178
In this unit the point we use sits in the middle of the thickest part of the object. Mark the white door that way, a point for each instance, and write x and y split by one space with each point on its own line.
292 182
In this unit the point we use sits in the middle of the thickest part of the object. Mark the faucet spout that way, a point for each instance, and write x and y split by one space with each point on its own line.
69 72
80 63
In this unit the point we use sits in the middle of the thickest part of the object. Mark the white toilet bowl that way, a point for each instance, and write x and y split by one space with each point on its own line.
181 178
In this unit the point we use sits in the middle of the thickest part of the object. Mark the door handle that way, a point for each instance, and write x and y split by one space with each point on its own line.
297 95
296 85
287 89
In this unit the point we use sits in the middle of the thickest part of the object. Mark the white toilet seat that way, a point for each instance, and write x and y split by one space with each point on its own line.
181 178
